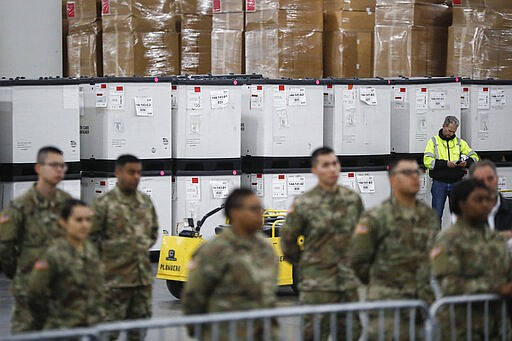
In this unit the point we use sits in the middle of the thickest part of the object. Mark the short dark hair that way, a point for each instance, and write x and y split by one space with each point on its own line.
482 164
122 160
42 153
320 151
235 200
68 207
397 159
461 192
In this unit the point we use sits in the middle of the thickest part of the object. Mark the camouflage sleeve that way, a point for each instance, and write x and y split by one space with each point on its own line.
11 225
154 223
425 290
99 220
292 229
39 287
205 270
363 246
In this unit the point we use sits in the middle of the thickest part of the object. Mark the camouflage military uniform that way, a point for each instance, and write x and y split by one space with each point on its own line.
27 227
232 273
124 228
470 260
326 220
66 288
389 251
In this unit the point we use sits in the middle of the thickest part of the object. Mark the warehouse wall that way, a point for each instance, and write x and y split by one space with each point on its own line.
31 38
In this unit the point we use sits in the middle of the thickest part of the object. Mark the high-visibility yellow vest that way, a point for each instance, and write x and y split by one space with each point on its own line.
451 150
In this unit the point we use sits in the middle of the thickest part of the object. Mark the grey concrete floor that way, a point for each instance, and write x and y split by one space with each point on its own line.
164 305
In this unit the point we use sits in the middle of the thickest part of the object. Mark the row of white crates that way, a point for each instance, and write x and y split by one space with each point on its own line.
226 118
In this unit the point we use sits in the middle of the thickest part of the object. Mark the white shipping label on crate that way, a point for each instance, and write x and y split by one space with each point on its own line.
349 99
194 98
464 98
502 183
296 184
116 97
220 188
400 95
421 99
297 96
219 98
484 101
147 190
193 189
328 96
256 96
143 106
368 96
279 96
498 99
349 180
101 95
70 98
437 100
279 186
174 96
257 184
366 183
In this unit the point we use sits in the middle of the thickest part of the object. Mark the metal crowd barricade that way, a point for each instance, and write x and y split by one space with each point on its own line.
81 334
224 326
451 302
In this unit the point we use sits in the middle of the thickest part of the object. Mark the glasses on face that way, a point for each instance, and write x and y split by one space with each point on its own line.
253 209
409 172
56 165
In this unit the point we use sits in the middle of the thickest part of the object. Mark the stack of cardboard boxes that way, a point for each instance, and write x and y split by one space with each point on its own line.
480 40
348 38
228 37
196 30
283 38
411 38
139 38
82 38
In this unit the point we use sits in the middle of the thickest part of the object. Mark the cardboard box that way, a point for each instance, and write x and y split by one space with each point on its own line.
284 19
410 51
298 5
137 24
77 9
413 14
84 54
139 8
482 17
193 7
349 5
228 21
361 20
227 6
140 53
196 51
479 53
227 51
348 53
283 53
496 4
197 22
401 2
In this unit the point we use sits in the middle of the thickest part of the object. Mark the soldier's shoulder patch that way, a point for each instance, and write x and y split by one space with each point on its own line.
436 251
41 265
4 218
361 229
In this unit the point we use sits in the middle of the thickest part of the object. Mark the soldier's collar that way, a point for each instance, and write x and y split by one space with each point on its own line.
323 191
400 210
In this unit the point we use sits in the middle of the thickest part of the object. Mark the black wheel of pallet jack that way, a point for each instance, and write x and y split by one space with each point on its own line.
175 288
295 277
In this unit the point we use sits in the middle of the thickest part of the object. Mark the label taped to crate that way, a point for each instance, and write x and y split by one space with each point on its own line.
143 106
220 188
296 184
297 96
368 95
366 183
279 186
219 98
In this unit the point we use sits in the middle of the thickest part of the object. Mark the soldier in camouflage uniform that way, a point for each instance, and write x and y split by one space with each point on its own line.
124 228
27 226
66 289
235 271
326 217
390 246
468 258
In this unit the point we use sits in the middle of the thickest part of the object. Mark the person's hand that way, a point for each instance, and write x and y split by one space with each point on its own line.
451 164
507 234
462 164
